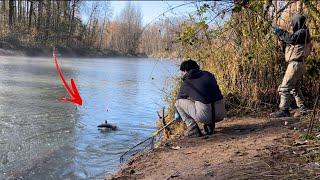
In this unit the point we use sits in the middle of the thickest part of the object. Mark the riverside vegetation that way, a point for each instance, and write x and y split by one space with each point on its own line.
85 28
237 45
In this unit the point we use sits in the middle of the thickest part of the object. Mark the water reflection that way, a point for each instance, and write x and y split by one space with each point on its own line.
42 138
33 124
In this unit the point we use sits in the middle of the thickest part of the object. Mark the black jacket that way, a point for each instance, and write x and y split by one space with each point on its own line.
300 33
200 86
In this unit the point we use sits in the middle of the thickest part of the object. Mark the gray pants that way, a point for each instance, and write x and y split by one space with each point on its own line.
290 86
192 111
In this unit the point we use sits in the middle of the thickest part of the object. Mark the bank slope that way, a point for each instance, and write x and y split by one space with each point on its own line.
241 148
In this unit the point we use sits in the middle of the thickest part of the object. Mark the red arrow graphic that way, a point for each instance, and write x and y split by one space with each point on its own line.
74 93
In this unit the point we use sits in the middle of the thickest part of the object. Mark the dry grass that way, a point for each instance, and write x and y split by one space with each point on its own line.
247 60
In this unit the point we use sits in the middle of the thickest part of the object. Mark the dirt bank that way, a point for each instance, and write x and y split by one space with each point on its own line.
7 49
244 148
65 52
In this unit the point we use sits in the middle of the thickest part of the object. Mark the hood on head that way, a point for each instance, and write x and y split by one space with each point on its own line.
192 74
298 22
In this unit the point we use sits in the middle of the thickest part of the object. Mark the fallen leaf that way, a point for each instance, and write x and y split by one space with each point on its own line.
177 174
299 143
301 152
189 152
239 153
311 166
138 173
175 147
207 164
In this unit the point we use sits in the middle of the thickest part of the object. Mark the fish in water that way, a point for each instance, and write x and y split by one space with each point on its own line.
106 126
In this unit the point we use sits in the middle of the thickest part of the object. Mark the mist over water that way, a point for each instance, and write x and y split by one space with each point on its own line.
43 138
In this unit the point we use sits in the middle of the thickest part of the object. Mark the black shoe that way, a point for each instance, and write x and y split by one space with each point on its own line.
281 113
193 131
209 129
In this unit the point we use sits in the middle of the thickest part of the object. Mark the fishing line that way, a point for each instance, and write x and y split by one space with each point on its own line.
226 10
281 19
162 14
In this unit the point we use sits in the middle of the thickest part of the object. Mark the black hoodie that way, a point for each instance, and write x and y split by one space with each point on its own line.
300 33
200 86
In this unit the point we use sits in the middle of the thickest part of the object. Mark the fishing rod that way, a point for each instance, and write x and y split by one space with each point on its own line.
147 139
265 10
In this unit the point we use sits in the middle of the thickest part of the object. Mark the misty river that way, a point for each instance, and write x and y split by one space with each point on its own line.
44 138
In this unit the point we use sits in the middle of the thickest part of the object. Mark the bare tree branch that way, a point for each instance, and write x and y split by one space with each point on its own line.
278 14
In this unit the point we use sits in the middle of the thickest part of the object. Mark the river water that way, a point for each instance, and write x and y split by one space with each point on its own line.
44 138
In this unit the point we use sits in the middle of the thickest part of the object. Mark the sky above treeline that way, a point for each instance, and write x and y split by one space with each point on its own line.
152 10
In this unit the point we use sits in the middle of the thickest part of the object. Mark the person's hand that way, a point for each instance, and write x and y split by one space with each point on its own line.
276 29
177 116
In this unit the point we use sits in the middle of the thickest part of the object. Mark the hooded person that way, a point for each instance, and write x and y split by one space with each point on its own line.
199 99
298 47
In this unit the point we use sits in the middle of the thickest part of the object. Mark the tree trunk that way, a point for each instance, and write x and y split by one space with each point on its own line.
11 13
65 10
3 9
72 17
102 31
39 14
26 13
48 17
30 14
19 13
58 14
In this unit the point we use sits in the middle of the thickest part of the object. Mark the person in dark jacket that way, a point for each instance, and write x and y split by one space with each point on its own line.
298 47
198 91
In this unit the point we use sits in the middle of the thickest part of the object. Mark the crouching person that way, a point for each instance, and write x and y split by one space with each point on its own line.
198 98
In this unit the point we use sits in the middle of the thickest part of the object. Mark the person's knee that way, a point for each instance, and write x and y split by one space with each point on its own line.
220 110
205 119
177 104
220 114
219 117
284 91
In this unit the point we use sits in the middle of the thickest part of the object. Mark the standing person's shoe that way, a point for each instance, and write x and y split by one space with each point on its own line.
300 113
281 113
193 131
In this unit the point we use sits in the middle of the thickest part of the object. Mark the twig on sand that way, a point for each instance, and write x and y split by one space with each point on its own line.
257 162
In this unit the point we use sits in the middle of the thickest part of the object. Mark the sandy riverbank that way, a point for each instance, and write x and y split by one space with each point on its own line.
242 148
